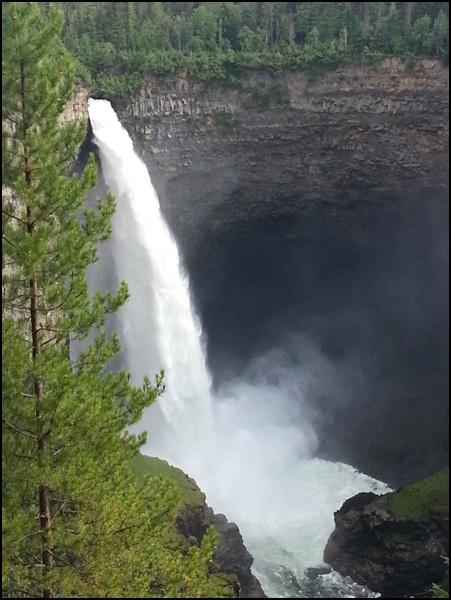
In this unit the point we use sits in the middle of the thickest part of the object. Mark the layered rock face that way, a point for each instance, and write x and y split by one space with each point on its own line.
282 145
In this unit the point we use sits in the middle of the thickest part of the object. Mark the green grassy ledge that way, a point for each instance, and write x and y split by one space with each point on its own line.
190 494
420 501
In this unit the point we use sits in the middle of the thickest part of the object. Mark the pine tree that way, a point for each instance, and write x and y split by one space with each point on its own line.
76 523
441 36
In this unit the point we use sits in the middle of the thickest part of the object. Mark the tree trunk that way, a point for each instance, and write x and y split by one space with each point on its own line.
291 26
407 17
271 23
365 7
221 25
141 9
45 516
379 12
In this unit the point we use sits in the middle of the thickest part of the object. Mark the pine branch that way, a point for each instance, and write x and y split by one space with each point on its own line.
19 430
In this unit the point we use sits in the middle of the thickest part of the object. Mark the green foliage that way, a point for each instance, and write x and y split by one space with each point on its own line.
263 99
421 36
421 500
217 41
438 591
192 500
392 32
226 120
441 36
76 521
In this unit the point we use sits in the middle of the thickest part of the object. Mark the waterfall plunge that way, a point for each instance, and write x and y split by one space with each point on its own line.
159 326
249 446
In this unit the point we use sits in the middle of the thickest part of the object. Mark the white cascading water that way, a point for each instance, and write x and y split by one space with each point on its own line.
159 317
249 447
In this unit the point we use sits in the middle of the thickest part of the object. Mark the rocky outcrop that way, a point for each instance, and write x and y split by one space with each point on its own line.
231 556
77 108
394 543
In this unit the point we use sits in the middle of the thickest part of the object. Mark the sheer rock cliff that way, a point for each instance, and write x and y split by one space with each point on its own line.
284 144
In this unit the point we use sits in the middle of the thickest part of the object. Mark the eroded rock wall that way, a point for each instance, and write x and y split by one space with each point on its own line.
280 145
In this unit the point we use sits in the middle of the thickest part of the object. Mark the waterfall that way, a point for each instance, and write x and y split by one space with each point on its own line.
159 326
250 446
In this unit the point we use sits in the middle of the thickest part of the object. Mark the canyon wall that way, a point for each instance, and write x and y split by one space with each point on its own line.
282 145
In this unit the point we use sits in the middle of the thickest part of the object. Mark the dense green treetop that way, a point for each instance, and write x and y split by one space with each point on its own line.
117 43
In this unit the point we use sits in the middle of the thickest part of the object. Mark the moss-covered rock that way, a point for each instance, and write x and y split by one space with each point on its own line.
420 501
394 543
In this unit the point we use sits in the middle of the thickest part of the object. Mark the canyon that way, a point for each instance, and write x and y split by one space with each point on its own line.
311 212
